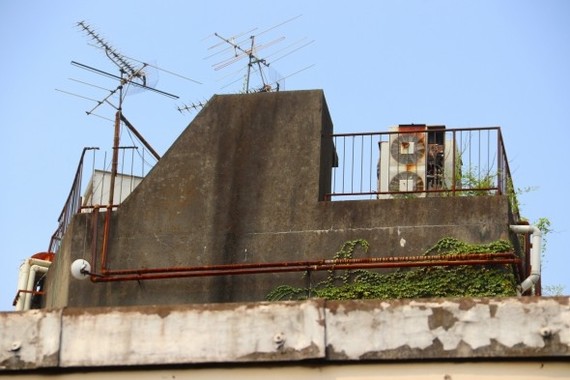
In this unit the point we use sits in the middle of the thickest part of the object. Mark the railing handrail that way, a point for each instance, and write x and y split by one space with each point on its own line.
71 205
495 176
350 134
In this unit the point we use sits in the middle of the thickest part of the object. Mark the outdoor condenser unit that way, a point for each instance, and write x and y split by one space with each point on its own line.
415 159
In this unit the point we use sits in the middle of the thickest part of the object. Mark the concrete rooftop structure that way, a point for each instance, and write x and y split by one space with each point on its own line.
244 185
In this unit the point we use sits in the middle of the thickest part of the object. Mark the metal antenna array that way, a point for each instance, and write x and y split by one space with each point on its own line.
245 46
111 53
131 73
194 106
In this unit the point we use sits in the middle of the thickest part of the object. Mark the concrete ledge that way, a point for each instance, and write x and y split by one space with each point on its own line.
323 331
526 327
30 339
193 334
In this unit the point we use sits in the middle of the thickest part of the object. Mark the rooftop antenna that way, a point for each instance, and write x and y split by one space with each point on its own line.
194 106
245 46
131 72
242 47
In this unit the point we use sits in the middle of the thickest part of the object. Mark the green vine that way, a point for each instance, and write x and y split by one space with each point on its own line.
346 252
424 282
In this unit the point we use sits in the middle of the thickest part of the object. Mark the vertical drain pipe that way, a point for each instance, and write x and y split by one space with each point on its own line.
26 280
22 283
535 255
31 284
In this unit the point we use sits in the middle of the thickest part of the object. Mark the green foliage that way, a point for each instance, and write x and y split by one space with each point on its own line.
346 252
474 180
424 282
451 246
543 225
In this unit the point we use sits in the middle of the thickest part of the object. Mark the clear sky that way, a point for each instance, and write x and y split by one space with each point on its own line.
380 63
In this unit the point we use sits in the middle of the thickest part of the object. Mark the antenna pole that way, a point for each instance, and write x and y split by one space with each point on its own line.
116 142
254 61
251 56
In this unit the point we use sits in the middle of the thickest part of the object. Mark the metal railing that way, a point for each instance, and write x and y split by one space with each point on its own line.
420 161
133 167
71 206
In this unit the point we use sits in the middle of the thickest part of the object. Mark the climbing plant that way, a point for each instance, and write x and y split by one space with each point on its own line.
436 281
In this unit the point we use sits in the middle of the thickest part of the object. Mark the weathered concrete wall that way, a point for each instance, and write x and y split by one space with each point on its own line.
290 333
245 183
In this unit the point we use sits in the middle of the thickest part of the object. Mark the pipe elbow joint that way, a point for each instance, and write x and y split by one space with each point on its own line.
528 283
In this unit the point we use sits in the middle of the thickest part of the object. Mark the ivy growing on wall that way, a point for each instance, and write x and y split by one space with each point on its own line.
423 282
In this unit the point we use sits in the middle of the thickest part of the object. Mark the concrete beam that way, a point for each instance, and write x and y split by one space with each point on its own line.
199 334
448 328
30 339
326 332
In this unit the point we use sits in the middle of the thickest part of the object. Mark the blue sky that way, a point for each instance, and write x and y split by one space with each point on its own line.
380 63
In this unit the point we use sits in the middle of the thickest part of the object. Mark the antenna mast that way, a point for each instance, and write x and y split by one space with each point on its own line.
129 74
240 47
250 53
255 62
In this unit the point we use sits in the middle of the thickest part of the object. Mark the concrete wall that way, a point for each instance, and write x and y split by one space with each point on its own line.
245 183
316 334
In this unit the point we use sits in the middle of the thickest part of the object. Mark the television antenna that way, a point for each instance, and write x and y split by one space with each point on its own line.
194 106
132 73
242 47
246 46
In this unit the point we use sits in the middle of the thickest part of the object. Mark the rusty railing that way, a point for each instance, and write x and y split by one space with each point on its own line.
419 161
98 190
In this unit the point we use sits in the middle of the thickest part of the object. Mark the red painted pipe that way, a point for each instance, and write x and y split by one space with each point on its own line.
108 275
335 263
290 267
33 292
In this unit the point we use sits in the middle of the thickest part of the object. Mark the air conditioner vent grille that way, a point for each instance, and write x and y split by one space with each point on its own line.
407 148
406 181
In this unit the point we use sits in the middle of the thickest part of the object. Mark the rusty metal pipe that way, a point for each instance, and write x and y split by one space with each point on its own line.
95 222
332 262
106 233
296 268
114 165
32 292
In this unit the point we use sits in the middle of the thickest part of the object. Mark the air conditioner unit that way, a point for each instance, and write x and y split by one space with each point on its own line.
416 159
440 165
99 188
403 162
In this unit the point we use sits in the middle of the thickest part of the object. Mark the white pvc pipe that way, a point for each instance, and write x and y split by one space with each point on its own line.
535 254
31 282
26 280
22 283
